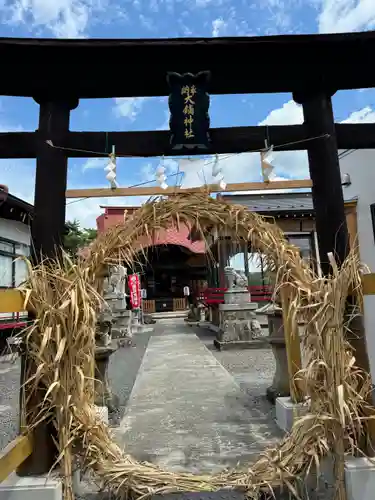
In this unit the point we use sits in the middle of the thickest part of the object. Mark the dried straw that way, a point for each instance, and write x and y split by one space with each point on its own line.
61 342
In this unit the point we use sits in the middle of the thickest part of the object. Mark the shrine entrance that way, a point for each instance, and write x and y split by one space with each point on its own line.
312 82
165 271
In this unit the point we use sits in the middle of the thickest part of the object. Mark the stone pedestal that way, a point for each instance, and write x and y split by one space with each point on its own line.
193 314
237 296
280 383
359 478
44 487
103 393
136 324
238 324
121 316
121 326
288 412
202 313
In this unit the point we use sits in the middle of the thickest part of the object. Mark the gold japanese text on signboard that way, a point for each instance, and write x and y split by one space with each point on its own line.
189 92
188 103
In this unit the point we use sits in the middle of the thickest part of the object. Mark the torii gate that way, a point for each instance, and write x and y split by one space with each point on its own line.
311 70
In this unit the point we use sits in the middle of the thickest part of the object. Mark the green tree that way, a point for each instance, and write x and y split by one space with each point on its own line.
76 238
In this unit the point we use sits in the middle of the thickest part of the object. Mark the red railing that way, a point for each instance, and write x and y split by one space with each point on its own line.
211 296
12 321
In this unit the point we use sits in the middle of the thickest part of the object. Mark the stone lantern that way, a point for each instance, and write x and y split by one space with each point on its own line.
280 386
103 352
239 327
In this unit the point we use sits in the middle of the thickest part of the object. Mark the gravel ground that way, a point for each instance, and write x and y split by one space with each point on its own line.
253 369
122 372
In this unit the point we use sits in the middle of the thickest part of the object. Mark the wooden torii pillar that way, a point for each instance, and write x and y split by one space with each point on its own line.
328 199
47 235
325 174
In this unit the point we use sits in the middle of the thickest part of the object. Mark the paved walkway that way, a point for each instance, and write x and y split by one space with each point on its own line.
186 412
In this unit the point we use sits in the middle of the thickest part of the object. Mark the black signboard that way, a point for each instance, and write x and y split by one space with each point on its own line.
189 103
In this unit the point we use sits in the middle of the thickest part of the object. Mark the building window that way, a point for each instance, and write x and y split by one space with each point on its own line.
6 246
13 271
6 271
258 272
305 244
20 272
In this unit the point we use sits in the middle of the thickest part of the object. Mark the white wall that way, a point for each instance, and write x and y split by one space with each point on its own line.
15 231
360 165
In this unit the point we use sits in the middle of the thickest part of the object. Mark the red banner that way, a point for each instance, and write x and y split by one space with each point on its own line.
135 291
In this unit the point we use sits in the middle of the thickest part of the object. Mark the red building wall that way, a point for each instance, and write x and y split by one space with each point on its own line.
115 215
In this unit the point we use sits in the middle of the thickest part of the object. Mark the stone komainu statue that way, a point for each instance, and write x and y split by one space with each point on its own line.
235 279
118 279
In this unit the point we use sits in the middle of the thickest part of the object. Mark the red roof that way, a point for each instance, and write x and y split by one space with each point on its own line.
115 215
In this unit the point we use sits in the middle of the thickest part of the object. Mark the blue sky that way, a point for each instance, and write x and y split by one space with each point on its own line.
169 18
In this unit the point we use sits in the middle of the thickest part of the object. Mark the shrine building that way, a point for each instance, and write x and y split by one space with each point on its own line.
173 261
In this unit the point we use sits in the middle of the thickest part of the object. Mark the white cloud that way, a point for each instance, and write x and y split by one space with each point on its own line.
218 27
154 6
289 114
63 18
19 176
4 125
128 107
337 16
246 167
147 22
202 3
364 115
165 124
94 163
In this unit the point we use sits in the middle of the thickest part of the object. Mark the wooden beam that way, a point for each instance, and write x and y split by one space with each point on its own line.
14 455
324 57
157 143
18 145
226 140
12 301
212 188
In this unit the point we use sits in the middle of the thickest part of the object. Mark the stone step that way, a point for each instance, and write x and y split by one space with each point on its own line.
169 315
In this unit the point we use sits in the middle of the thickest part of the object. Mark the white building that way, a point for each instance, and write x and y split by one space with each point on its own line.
15 218
360 165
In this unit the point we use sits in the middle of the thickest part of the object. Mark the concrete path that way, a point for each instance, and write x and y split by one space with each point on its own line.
186 412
